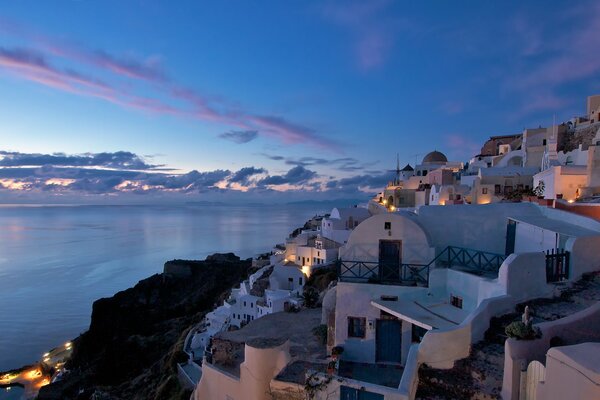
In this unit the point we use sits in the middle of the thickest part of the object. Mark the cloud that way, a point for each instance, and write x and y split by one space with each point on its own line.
239 136
359 183
61 177
119 159
35 65
347 164
295 176
242 176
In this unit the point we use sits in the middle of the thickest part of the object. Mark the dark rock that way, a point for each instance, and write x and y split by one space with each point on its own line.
135 338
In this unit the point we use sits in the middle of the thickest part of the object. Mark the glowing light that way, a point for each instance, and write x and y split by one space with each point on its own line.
68 344
571 201
46 355
306 270
384 202
392 208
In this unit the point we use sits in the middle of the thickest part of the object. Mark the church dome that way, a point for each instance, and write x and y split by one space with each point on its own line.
435 157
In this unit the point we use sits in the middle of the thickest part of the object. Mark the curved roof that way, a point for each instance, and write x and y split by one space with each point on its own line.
434 157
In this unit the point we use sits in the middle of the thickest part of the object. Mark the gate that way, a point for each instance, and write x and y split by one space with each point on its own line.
350 393
536 373
557 265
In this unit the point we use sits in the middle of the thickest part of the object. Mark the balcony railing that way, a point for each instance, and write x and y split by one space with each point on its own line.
474 261
374 272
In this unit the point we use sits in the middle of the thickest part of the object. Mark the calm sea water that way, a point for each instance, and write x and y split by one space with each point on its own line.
55 261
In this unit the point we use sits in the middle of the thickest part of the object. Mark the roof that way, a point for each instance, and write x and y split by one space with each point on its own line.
508 171
555 225
354 212
429 316
434 157
408 168
582 357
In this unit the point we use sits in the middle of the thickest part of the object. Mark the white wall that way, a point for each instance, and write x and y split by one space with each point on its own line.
480 227
585 256
354 300
363 244
260 366
529 238
572 329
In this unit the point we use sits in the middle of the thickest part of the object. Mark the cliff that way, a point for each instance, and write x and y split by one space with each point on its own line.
135 337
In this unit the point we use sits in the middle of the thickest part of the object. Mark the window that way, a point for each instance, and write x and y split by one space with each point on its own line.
244 304
483 190
387 225
425 173
356 327
290 280
300 281
497 189
520 186
355 224
318 254
544 142
298 258
456 301
251 305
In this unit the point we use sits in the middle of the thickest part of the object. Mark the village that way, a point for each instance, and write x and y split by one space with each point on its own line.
421 276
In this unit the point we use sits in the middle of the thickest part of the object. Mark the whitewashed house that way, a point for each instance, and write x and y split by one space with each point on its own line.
421 287
341 222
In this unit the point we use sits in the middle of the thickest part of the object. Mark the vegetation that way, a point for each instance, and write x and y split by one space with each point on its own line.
521 331
311 297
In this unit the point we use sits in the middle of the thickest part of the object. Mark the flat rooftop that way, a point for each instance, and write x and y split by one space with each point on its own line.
556 225
274 329
428 315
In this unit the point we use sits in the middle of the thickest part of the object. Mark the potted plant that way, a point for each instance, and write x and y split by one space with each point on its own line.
336 352
331 367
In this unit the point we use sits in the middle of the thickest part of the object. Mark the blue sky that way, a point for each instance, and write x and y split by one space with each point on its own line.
317 97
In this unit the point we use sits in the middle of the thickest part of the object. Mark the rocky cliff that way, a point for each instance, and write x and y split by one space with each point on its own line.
135 337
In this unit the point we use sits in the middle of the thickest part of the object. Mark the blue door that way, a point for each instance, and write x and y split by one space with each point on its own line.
511 233
388 340
349 393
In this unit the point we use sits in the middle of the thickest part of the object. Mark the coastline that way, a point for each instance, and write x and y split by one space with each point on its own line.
36 378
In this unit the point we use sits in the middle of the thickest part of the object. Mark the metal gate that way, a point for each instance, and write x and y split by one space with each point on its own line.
536 373
350 393
557 265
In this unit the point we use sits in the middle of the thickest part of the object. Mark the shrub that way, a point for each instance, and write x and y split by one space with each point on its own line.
311 297
521 331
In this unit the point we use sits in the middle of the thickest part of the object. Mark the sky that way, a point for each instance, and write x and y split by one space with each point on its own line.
266 101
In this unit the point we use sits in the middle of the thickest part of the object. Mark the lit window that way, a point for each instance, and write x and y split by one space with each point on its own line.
484 191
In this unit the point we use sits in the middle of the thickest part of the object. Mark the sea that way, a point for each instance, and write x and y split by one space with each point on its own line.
56 260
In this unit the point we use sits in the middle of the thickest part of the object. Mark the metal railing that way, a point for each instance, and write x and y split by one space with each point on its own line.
475 261
374 272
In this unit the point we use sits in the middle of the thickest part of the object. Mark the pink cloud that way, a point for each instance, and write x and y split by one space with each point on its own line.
35 67
569 58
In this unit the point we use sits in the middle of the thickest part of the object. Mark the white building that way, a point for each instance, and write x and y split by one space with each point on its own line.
342 221
407 296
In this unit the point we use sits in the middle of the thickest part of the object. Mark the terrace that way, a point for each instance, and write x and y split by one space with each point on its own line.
476 262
